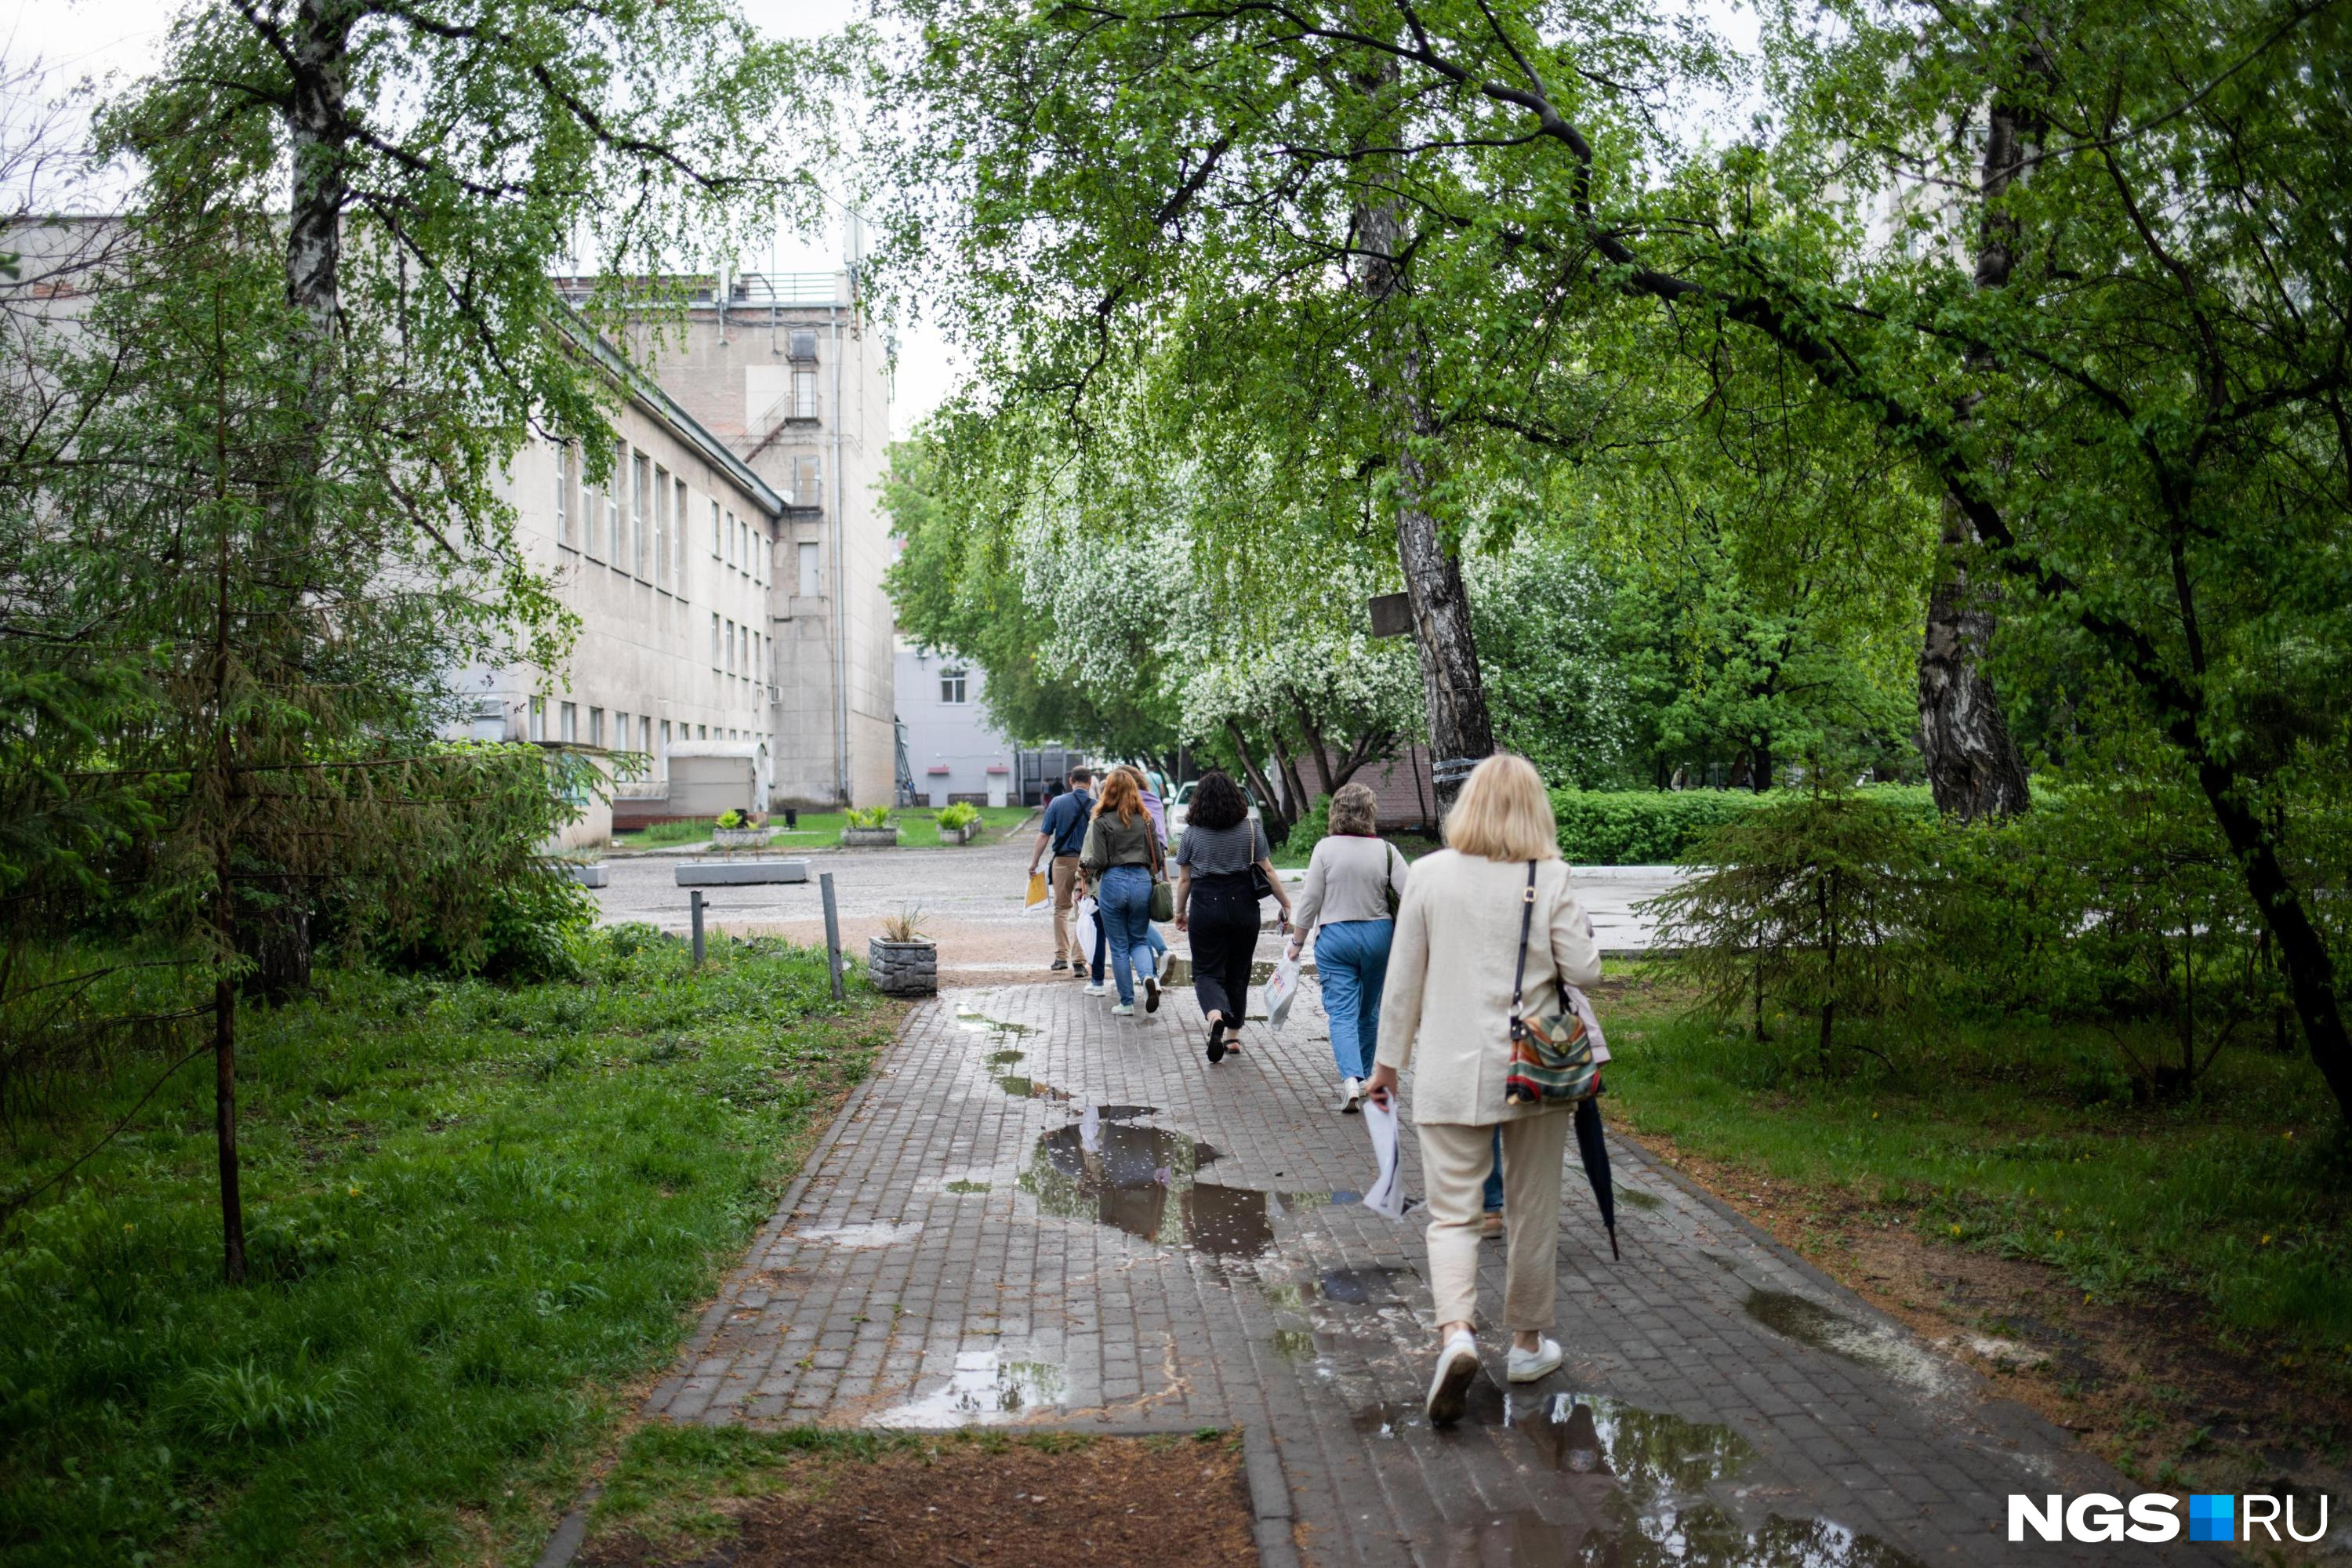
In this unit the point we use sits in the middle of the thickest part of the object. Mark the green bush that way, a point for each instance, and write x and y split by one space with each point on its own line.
1662 827
962 814
868 817
1815 901
1313 826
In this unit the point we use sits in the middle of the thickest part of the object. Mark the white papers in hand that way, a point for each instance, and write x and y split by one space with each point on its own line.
1386 1197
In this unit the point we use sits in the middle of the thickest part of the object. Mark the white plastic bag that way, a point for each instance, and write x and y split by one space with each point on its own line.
1083 929
1281 991
1385 1197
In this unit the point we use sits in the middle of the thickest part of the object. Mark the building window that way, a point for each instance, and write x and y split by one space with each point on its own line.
714 640
759 657
563 493
570 719
801 343
595 726
716 530
612 503
679 495
951 686
803 393
661 525
640 502
664 750
646 734
808 488
809 587
702 731
539 718
620 731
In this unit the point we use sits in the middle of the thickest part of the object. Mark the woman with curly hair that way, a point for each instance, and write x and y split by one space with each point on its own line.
1216 900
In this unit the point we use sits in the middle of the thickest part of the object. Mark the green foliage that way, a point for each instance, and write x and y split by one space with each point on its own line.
867 817
958 816
479 1211
2018 1136
1816 901
1665 827
1313 826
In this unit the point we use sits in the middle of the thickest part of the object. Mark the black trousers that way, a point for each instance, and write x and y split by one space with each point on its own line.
1223 918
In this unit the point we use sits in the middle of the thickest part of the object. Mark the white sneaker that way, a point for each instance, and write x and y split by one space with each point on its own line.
1351 1095
1533 1366
1124 1010
1449 1390
1098 989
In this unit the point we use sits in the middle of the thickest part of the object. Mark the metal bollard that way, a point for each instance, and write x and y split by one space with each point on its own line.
694 902
831 934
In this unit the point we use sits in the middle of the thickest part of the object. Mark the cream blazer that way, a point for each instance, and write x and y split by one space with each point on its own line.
1446 1008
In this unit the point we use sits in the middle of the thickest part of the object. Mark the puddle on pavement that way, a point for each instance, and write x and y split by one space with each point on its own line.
1704 1536
982 1024
1656 1468
1648 1452
1376 1286
1637 1198
986 1387
1021 1088
1808 1322
1145 1181
1005 1059
1294 1344
876 1233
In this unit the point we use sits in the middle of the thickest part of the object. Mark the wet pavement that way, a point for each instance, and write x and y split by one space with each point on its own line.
970 899
1036 1214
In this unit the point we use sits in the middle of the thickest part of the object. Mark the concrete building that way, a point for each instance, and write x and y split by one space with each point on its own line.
666 566
785 373
952 753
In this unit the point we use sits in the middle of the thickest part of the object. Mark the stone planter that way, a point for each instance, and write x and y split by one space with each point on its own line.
957 835
903 968
739 838
870 838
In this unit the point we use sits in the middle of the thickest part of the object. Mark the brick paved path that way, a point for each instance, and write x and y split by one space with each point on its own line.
1036 1212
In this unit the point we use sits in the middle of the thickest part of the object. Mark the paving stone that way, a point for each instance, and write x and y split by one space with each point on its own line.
1112 1275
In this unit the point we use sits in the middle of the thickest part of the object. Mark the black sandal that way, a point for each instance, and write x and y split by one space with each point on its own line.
1217 1041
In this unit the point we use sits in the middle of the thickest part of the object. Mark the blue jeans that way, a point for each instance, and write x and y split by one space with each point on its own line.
1124 903
1352 957
1494 1194
1102 946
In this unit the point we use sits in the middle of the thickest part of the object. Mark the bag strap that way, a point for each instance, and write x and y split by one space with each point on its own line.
1527 927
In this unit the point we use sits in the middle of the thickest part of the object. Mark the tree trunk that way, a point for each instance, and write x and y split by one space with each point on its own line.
318 126
1460 731
1259 781
225 1129
1973 765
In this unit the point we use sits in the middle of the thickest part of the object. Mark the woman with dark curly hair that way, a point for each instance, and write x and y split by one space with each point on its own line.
1216 900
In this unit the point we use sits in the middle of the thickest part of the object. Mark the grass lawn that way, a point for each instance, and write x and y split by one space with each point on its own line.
2226 1219
475 1215
821 830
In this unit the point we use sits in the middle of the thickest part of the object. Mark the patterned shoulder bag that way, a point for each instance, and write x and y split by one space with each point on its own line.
1551 1054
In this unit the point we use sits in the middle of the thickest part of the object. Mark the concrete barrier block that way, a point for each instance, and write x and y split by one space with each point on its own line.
589 876
740 873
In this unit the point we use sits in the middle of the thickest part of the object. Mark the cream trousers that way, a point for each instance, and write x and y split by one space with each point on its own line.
1454 1158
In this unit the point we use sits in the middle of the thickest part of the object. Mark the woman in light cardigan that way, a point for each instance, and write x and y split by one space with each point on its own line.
1445 1011
1348 881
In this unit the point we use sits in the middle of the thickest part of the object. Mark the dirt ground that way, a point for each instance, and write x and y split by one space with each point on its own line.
1145 1502
2151 1386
